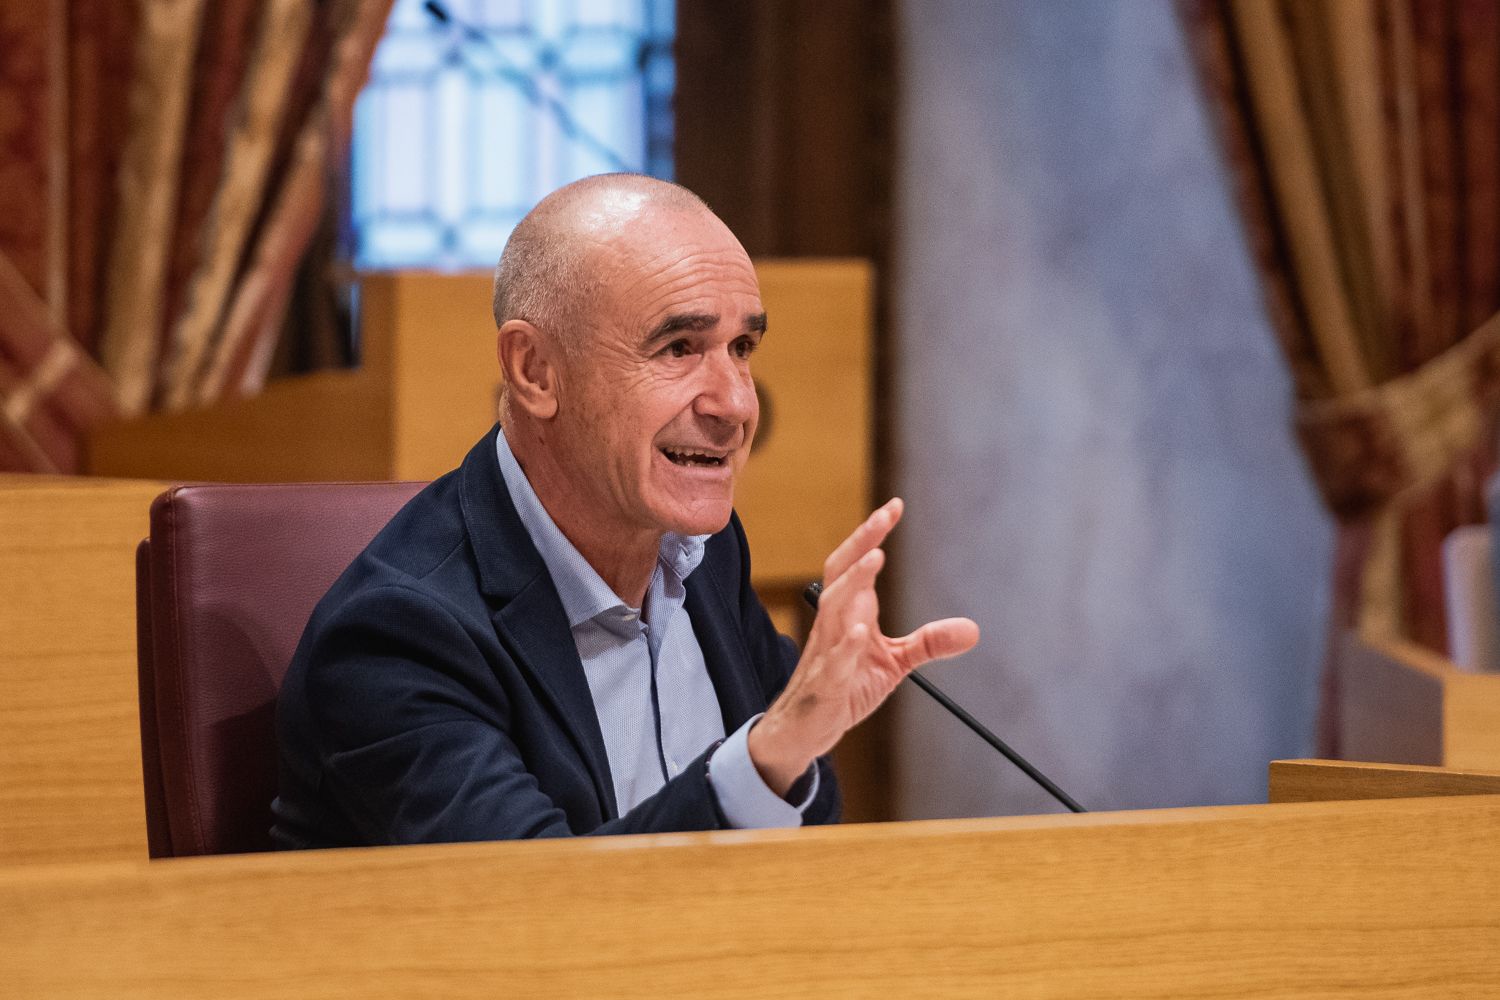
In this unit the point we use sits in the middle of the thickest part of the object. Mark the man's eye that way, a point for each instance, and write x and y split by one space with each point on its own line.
744 347
678 348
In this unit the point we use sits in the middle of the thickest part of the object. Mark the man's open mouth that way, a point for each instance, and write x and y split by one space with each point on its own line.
694 457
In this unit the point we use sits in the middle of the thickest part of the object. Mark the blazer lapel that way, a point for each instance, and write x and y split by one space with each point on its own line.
529 625
724 654
529 618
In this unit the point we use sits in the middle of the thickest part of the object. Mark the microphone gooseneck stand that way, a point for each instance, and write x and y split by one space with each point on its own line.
815 590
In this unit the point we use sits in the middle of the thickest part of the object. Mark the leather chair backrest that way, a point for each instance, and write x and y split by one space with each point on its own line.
225 586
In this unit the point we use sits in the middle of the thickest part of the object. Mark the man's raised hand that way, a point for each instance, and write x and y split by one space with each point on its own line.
848 666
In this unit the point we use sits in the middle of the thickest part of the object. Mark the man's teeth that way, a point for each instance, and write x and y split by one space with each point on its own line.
689 456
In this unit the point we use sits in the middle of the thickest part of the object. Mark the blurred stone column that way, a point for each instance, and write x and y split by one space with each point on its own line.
1091 423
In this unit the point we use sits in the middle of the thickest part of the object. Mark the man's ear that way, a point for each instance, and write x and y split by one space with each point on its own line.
528 363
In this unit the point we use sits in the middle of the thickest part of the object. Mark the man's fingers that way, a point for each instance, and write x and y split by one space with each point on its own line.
937 640
864 538
850 599
860 576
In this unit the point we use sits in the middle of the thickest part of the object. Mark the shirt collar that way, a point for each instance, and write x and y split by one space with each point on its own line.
583 591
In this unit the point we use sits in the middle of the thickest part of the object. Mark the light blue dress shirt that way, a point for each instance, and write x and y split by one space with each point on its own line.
655 702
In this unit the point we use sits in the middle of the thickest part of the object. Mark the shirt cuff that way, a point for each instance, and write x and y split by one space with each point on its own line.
745 799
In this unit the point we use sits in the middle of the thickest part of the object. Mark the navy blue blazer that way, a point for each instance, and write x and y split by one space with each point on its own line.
436 694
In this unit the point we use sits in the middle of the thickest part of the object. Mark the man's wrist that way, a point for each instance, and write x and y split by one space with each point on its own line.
744 800
777 768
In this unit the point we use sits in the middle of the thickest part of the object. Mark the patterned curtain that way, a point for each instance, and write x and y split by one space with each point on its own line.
163 169
1363 137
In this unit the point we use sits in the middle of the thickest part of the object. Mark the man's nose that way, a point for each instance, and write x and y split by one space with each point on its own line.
728 392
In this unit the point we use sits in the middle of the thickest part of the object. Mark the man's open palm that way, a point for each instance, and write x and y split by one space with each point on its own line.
848 666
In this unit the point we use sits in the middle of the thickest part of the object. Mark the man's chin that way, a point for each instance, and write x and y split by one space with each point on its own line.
700 518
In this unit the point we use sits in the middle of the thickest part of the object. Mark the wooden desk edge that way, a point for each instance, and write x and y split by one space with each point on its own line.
1179 902
1330 780
918 833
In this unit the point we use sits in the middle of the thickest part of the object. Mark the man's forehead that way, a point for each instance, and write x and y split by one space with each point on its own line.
632 220
695 285
650 261
685 270
658 234
611 209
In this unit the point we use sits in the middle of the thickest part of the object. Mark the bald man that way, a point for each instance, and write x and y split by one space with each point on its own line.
560 637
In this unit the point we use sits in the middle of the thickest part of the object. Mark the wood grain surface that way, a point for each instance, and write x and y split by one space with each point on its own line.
330 425
1335 780
1471 721
70 746
1350 899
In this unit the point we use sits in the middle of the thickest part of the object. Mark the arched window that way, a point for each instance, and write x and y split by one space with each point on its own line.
466 124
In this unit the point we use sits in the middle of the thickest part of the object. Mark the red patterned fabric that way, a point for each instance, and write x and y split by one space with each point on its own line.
67 76
98 90
49 389
222 56
249 337
25 179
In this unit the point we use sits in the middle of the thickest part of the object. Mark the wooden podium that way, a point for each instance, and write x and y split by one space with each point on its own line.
1389 897
1377 895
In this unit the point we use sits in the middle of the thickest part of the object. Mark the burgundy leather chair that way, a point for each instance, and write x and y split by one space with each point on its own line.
224 587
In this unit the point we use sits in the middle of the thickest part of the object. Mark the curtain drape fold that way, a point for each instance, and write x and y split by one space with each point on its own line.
1363 142
163 168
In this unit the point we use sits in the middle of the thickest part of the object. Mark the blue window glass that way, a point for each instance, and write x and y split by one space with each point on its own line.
465 125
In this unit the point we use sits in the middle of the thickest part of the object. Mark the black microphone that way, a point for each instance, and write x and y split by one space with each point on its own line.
815 590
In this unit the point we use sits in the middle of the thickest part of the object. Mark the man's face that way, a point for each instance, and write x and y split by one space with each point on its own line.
657 409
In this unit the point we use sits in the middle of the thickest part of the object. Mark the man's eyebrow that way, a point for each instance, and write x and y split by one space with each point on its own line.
681 323
697 323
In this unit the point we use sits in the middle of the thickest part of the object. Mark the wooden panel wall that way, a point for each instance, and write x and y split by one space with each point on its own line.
784 121
1471 724
330 425
70 748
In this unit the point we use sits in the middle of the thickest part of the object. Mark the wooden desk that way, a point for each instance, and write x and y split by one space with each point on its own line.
1326 899
1325 781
